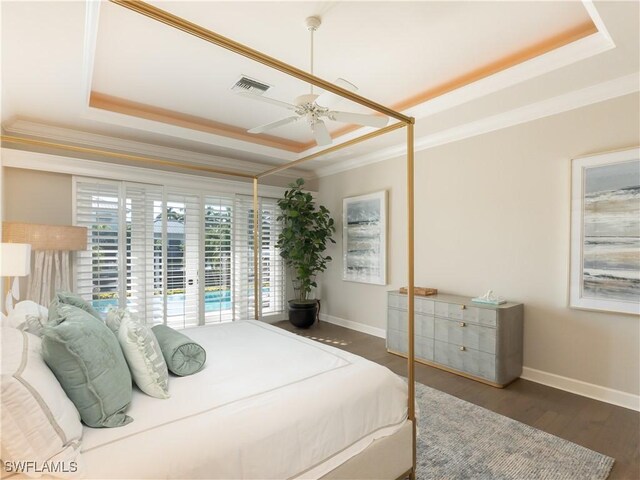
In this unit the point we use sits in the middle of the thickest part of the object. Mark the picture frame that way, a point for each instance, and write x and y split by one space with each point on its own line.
364 238
605 232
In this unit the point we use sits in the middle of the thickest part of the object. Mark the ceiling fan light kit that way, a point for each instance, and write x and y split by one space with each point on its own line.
314 108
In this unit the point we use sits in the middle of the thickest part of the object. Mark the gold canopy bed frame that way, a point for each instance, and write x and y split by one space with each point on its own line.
403 121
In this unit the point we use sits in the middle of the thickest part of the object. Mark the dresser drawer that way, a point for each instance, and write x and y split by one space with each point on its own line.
424 348
462 333
449 310
424 325
483 316
424 305
398 342
395 300
397 320
401 302
476 363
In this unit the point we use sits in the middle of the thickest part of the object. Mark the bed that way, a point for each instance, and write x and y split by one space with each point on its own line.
342 416
268 404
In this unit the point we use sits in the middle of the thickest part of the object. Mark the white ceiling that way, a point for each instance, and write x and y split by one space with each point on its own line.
392 51
52 56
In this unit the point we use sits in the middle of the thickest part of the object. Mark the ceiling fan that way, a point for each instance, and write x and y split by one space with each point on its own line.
313 108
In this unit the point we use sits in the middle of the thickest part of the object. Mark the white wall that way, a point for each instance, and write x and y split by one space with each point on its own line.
493 212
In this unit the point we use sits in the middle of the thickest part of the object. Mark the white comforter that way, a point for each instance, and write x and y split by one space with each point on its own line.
268 404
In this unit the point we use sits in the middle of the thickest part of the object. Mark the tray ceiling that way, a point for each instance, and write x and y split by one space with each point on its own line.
102 69
395 52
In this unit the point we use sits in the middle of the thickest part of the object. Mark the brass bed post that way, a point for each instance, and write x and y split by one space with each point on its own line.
411 292
256 252
174 21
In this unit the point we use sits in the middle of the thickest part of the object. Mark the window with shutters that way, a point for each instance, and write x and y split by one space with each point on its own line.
174 257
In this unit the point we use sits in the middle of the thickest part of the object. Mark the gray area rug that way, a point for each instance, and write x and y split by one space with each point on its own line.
458 440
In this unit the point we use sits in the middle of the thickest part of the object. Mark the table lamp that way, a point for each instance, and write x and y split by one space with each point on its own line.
15 261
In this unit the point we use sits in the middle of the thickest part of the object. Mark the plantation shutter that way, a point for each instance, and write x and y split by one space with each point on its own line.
144 259
243 304
176 257
183 259
272 275
271 266
97 268
218 259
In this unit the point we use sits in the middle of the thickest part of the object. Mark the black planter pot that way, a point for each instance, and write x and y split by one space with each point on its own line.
303 314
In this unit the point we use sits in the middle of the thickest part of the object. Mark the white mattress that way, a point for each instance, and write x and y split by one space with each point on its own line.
268 404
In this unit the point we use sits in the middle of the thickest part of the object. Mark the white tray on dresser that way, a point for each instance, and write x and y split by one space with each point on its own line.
479 341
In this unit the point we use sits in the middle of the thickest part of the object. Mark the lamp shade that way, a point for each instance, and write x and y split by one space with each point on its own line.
15 259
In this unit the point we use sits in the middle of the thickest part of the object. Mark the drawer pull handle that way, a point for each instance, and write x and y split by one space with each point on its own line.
462 324
462 349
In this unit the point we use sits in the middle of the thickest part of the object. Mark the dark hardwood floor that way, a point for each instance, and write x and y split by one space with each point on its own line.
605 428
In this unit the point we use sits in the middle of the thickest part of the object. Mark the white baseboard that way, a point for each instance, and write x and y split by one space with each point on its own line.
358 327
590 390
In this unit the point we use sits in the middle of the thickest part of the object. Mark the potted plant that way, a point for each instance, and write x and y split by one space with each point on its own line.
302 242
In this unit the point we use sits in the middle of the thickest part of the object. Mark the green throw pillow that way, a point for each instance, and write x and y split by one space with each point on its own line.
87 360
68 298
183 355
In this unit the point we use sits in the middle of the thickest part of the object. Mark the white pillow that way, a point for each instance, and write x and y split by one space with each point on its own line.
28 316
113 318
145 359
38 423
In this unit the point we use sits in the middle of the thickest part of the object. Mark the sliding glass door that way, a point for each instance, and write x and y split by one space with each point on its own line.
175 257
218 259
182 241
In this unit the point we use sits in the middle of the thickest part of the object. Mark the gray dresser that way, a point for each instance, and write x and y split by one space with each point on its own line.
482 342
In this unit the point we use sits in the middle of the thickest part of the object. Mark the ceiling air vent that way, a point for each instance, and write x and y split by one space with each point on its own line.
250 85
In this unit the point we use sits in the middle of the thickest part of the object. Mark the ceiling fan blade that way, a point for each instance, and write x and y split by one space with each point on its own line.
272 101
329 100
272 125
359 118
321 133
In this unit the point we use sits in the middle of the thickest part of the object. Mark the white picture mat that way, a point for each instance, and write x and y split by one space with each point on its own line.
578 174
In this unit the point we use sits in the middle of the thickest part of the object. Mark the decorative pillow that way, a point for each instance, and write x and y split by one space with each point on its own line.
87 359
68 298
183 355
19 317
39 422
34 325
143 354
114 317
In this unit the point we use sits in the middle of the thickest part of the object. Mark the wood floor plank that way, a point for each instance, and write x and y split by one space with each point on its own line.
605 428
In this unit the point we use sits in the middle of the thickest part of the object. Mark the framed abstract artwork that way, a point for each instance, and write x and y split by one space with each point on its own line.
364 238
605 232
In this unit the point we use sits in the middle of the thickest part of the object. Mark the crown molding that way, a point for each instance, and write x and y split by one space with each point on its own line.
22 127
552 106
49 162
551 60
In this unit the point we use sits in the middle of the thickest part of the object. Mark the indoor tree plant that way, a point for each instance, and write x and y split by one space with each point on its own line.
306 229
